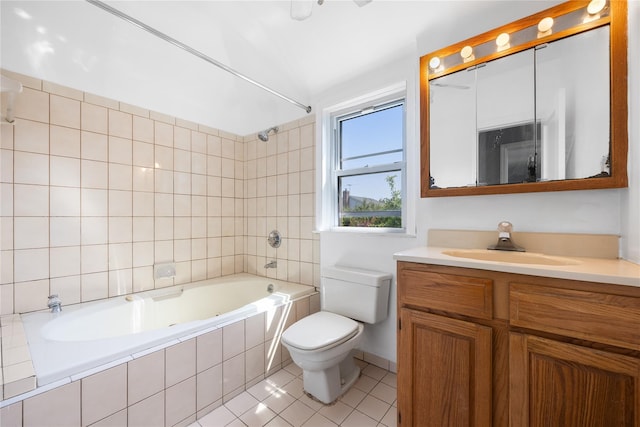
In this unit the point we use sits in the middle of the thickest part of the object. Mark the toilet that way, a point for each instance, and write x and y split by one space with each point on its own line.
321 344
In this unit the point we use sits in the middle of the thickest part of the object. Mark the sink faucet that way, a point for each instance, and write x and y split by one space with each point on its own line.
504 238
271 264
55 304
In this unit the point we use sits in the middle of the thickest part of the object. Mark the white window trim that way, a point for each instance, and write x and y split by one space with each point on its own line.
328 204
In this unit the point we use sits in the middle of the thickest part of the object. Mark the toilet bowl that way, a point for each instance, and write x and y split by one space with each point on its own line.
322 343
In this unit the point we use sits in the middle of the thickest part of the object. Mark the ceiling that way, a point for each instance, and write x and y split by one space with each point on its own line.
76 44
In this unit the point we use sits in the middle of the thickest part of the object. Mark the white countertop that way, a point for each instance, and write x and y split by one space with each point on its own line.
601 270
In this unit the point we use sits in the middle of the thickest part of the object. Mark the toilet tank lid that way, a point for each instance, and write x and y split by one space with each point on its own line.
356 275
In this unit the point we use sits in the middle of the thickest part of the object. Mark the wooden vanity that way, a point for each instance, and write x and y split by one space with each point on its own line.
481 348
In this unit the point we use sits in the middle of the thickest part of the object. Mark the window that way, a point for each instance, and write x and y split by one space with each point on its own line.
369 166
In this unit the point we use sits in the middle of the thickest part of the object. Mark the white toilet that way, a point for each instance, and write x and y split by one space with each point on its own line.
321 343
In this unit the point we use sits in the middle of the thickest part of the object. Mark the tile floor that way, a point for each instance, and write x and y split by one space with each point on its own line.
279 401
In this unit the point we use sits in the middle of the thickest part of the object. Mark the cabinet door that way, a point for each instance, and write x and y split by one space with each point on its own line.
444 371
560 384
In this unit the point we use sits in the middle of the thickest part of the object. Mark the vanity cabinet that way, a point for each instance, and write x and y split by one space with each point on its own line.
482 348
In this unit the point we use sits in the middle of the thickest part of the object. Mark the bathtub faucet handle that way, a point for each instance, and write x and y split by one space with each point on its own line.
55 304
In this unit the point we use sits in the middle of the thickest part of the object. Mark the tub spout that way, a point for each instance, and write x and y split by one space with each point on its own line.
271 264
55 304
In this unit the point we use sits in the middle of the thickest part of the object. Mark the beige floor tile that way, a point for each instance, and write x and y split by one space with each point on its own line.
384 393
373 407
259 415
297 413
218 417
358 419
241 403
319 421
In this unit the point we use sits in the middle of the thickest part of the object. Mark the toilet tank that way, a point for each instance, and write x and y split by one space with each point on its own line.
356 293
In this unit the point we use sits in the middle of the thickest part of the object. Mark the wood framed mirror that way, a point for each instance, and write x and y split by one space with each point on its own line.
539 104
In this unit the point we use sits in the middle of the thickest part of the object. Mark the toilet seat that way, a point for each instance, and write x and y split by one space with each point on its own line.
320 330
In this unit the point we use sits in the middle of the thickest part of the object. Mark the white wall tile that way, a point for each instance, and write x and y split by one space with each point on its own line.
32 105
209 387
143 229
120 124
163 228
65 111
142 254
94 258
65 231
120 177
93 118
104 394
163 158
64 141
93 146
65 201
143 154
31 295
233 374
31 136
120 282
93 202
61 404
180 362
120 255
120 203
67 288
94 286
143 129
30 168
94 174
64 261
94 230
31 264
233 340
143 178
163 180
31 232
143 203
181 402
120 150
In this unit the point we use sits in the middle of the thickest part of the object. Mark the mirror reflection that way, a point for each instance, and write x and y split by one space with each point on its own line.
541 114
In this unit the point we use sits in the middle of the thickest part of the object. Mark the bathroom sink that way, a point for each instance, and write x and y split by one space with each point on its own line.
510 257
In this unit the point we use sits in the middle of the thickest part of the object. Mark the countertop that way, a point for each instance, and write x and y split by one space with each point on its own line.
601 270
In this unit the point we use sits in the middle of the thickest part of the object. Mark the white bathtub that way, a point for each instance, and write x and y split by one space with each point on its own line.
90 335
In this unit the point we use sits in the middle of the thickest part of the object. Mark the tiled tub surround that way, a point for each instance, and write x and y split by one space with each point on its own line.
172 385
93 192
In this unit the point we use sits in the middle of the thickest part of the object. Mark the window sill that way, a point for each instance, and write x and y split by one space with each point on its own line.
369 232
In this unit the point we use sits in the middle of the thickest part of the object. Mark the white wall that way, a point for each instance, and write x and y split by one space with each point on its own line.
593 211
631 197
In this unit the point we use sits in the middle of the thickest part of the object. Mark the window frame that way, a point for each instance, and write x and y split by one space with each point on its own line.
336 172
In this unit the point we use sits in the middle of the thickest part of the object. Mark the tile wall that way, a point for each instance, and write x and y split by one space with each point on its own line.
94 191
279 195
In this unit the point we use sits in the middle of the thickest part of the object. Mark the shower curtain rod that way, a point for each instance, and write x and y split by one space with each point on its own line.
193 51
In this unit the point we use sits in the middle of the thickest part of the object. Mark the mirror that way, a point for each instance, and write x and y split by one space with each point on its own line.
541 115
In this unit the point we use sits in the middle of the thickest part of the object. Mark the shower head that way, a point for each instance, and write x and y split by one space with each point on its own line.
264 135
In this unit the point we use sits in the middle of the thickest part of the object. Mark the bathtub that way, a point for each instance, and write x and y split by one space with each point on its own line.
104 333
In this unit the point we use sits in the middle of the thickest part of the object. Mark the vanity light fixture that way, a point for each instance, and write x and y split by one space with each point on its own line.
467 54
593 10
434 63
544 26
596 6
502 41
